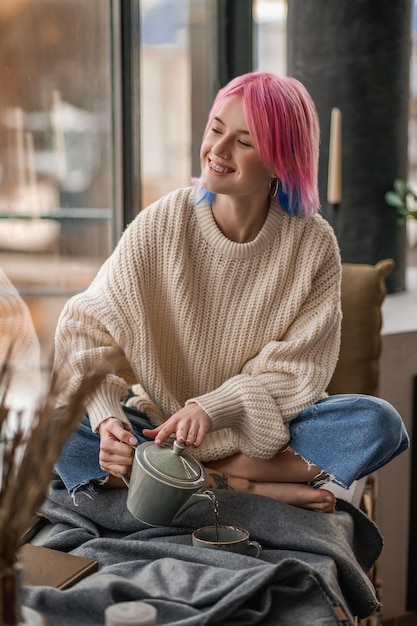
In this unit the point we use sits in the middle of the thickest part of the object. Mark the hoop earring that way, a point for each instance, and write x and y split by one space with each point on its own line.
273 187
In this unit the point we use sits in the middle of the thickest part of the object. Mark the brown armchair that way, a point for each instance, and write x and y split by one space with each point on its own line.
363 292
357 371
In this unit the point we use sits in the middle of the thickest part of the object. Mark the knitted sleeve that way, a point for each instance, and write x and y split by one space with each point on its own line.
115 314
93 326
284 378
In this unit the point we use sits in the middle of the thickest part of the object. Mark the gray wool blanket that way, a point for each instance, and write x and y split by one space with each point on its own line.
312 570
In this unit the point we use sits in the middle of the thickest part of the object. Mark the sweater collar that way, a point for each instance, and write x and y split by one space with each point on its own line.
232 249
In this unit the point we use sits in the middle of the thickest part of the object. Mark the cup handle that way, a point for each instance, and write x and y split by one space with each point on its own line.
257 547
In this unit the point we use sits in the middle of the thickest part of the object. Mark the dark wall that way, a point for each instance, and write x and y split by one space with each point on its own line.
355 55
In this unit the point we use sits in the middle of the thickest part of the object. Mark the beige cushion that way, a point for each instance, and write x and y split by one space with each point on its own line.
363 291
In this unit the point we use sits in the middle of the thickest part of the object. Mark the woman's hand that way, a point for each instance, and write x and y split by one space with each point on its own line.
191 424
116 452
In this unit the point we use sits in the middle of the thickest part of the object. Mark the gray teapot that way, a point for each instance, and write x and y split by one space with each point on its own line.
165 481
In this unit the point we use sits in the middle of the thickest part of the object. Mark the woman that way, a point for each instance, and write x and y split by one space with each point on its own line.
225 300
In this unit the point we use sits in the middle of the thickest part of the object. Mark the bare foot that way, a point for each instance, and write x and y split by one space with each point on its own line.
297 494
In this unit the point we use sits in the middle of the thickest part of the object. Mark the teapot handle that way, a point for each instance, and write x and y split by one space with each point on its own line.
126 477
194 498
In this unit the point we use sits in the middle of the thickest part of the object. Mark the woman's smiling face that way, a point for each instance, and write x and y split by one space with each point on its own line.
230 163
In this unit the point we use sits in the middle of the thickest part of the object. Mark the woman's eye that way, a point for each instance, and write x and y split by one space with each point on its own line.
244 143
216 130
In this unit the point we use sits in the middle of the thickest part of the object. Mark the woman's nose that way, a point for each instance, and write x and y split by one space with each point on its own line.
221 148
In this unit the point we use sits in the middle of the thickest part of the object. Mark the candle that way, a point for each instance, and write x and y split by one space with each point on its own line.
130 614
334 182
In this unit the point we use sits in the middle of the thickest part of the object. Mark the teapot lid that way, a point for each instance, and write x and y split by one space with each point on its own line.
171 463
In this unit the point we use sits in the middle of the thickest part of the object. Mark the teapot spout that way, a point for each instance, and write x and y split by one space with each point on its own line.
194 498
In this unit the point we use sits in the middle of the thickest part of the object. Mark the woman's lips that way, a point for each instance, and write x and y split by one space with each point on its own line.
219 169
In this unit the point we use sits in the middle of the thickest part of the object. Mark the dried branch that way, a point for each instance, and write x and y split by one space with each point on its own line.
29 453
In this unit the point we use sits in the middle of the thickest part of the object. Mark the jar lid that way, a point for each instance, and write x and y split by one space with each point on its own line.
171 463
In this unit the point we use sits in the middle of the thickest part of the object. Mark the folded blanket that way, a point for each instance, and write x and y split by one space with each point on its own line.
312 570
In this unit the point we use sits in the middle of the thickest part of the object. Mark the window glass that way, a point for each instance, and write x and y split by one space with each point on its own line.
165 104
270 36
56 152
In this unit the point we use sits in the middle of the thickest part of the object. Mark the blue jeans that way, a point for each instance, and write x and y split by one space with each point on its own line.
347 436
78 463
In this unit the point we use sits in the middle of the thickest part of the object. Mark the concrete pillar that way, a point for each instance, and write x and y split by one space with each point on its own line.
355 55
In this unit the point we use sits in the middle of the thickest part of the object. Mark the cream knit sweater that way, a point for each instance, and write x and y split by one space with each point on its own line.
249 331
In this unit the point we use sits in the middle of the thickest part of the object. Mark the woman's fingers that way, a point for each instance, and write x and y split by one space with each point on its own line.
190 425
195 435
112 429
116 459
201 433
116 451
160 433
174 425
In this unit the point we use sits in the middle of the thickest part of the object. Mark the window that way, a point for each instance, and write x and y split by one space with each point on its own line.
58 183
178 69
165 103
270 36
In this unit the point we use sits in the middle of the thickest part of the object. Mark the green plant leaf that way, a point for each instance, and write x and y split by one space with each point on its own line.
395 200
401 210
401 187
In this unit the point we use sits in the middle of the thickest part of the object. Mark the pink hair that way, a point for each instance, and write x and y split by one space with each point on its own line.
283 123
